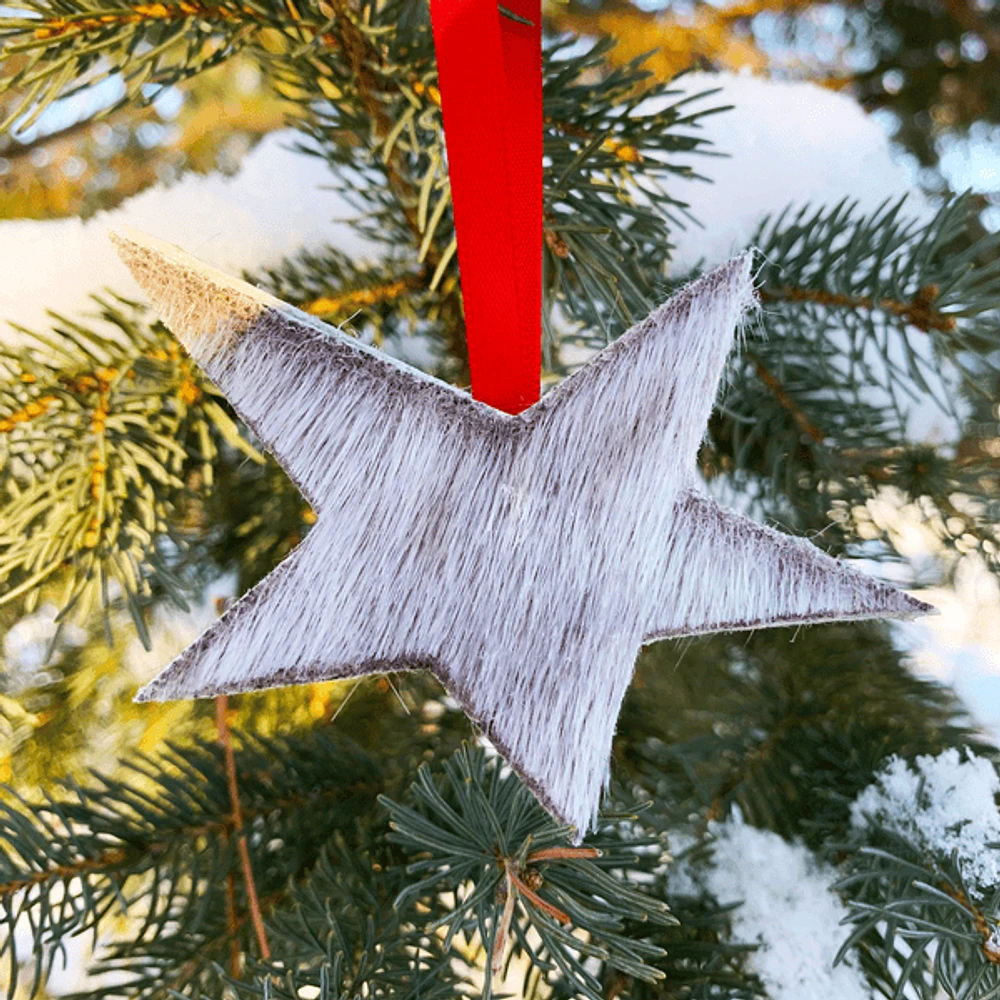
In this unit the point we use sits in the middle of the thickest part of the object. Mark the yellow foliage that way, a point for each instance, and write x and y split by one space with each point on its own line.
26 413
55 27
674 41
359 297
189 392
167 719
53 177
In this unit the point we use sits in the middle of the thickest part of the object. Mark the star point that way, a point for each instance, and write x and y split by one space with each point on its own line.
522 560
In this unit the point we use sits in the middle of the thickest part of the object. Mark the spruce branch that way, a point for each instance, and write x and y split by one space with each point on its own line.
674 40
382 301
607 203
918 312
369 72
105 429
608 208
788 732
701 960
158 848
917 926
340 934
54 50
864 315
773 383
859 277
483 839
378 85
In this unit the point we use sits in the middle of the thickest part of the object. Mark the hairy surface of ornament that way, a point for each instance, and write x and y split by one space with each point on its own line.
522 559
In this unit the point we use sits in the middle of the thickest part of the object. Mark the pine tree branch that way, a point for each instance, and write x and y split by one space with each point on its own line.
481 826
866 315
984 929
114 861
789 731
195 965
165 845
915 925
359 50
102 428
101 20
70 49
108 862
342 932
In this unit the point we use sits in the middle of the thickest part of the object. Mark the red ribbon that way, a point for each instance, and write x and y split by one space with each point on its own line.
490 78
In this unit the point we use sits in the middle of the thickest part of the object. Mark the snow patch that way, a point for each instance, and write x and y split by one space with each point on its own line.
26 651
787 908
785 144
279 203
943 804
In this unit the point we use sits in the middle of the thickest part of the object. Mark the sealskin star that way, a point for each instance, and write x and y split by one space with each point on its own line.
523 560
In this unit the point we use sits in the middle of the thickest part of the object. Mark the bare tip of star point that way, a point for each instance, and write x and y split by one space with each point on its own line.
138 250
128 240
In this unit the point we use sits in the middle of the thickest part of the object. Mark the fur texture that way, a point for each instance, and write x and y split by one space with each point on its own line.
524 560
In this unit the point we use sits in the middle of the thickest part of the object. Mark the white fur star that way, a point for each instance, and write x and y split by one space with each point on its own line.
522 559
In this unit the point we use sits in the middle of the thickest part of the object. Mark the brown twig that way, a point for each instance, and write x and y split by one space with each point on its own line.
989 948
506 916
535 899
562 854
513 883
615 987
774 384
918 313
225 739
77 869
232 925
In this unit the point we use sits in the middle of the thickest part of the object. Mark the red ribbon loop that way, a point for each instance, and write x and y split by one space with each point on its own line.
490 78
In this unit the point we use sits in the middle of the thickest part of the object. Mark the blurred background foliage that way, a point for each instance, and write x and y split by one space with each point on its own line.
75 164
786 732
930 71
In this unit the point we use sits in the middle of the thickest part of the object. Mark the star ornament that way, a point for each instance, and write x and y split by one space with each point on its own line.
523 560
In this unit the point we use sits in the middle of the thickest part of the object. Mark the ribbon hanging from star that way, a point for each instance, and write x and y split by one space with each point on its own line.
490 78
